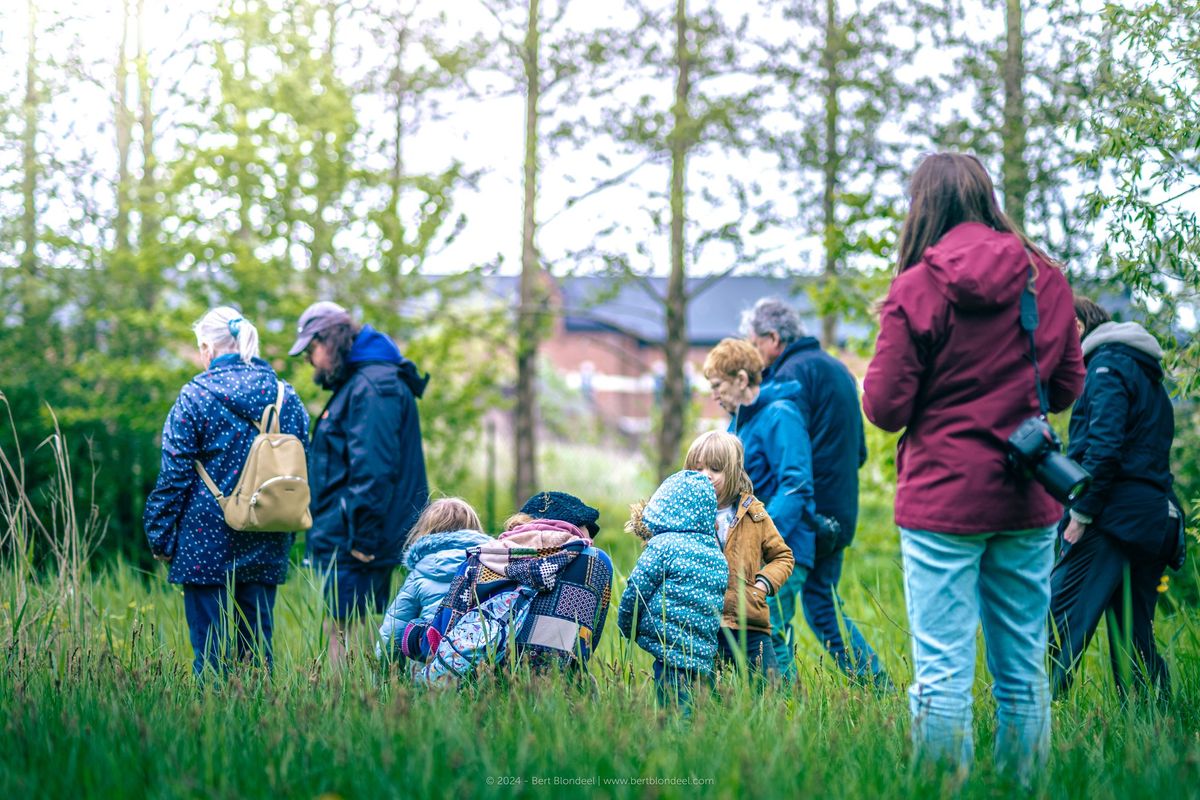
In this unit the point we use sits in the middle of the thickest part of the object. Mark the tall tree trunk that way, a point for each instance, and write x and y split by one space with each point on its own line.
29 165
123 122
674 398
148 189
394 229
528 316
1016 172
830 162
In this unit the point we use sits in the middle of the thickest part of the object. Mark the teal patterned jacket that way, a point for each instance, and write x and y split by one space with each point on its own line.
677 588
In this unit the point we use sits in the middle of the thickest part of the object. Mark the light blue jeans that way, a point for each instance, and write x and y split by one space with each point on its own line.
952 583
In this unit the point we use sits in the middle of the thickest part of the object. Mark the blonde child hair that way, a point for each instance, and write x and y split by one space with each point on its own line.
444 514
721 452
516 520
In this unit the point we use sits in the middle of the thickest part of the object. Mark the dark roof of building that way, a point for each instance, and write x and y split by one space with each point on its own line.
596 303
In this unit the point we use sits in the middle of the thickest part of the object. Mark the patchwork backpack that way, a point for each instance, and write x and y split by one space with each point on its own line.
272 491
483 634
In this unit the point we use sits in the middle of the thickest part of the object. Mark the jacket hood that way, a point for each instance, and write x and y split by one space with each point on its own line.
977 268
372 346
245 389
684 503
1130 334
770 393
446 546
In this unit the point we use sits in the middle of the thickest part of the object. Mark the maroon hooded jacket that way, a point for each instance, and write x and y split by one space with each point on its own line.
952 368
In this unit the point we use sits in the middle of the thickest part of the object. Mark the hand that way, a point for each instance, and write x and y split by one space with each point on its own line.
762 585
363 557
1074 532
164 559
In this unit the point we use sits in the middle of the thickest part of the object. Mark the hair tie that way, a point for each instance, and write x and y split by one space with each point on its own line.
235 325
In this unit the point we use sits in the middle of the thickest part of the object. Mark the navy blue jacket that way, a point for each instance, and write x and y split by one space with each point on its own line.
1121 432
829 402
214 420
779 463
366 467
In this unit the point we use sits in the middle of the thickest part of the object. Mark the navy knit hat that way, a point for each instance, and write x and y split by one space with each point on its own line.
564 507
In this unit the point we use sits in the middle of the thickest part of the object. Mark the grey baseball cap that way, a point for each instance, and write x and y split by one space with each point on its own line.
315 319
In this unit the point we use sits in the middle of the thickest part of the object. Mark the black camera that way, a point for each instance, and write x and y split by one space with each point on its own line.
828 536
1035 451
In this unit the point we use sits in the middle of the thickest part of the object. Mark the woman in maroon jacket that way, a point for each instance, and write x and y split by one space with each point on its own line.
952 369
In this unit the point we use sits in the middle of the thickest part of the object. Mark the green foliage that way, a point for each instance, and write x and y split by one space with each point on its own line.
1058 45
1145 125
265 194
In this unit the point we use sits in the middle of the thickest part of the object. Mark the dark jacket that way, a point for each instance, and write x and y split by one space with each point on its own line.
366 467
779 463
214 421
829 403
1121 432
952 368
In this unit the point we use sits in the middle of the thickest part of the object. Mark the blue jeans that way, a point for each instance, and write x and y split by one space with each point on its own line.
952 583
759 651
208 614
822 607
674 686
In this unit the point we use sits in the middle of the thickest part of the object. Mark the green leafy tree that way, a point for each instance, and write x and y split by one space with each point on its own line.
690 91
838 72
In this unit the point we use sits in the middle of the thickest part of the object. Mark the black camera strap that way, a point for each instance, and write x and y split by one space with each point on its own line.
1029 323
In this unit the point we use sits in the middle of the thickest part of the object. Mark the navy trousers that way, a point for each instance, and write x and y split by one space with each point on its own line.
1097 577
222 632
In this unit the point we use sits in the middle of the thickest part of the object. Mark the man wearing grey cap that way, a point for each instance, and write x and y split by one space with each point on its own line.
366 467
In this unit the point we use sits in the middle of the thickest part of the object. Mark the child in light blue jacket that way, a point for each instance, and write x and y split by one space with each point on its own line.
436 548
677 588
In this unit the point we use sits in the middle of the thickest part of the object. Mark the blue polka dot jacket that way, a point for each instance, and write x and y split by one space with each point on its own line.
214 421
677 588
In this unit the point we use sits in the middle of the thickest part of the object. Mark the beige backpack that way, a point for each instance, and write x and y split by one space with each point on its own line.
272 492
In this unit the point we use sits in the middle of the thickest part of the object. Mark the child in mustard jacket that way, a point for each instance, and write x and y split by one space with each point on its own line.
759 560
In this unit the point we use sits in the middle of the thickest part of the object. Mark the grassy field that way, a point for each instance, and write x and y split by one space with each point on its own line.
99 701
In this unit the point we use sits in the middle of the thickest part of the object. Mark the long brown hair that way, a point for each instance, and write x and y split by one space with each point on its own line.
1090 314
948 189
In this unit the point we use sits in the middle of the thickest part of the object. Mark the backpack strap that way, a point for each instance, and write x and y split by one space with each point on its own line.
212 487
269 423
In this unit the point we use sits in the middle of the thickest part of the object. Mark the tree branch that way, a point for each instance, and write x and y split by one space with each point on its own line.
607 183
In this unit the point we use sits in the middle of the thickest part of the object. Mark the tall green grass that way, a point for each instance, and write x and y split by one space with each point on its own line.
99 701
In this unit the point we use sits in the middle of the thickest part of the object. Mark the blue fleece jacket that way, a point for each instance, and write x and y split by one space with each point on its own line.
779 462
677 588
432 563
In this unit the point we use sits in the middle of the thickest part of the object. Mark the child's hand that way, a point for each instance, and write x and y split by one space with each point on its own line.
763 585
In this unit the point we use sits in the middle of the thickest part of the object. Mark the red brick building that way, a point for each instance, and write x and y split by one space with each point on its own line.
607 342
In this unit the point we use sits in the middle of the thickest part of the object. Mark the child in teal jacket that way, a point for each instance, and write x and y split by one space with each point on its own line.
677 588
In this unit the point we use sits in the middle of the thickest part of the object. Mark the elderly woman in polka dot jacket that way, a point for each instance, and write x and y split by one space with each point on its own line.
214 422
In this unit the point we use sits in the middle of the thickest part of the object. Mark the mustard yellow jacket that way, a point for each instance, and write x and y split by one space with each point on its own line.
753 549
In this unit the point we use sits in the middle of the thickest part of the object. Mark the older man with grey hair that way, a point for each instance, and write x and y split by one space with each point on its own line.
830 405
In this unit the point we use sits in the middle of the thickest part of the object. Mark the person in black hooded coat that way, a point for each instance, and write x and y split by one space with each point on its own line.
366 466
1128 521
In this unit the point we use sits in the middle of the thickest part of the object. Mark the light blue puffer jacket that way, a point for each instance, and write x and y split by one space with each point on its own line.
432 562
677 588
